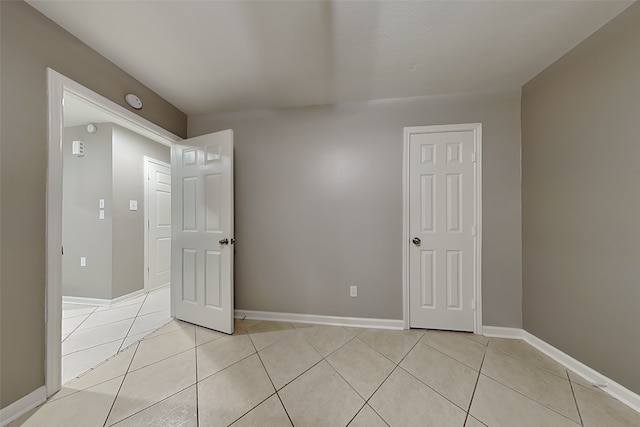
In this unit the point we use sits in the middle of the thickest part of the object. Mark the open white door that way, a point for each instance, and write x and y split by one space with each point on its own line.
202 231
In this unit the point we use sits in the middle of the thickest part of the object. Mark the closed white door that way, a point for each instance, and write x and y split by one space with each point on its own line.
442 246
202 231
158 223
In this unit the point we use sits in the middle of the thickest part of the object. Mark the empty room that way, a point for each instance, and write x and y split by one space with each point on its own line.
319 213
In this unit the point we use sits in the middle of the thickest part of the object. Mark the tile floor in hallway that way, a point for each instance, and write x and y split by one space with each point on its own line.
282 374
91 334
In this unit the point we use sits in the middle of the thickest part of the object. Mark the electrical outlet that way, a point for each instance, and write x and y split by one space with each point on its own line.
353 291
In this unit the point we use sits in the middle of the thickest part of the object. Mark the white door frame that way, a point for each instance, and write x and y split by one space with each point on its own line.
148 160
57 86
476 128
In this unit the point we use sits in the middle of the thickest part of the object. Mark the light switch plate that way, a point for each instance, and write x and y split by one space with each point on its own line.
133 205
101 204
101 214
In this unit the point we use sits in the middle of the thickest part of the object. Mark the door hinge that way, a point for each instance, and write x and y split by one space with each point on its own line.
473 230
473 157
473 304
62 250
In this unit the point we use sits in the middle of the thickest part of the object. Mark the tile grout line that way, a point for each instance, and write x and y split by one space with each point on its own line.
157 361
451 357
80 315
120 388
529 362
250 410
475 386
384 355
397 365
119 320
150 406
103 324
529 398
275 391
195 354
92 347
324 358
338 348
123 349
356 414
458 361
134 320
285 408
83 374
575 399
269 376
76 328
137 343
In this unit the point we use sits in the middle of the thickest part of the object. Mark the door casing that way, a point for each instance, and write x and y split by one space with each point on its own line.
476 128
57 86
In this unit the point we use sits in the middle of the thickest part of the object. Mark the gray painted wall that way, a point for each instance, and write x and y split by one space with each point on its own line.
29 43
86 180
129 150
581 234
318 203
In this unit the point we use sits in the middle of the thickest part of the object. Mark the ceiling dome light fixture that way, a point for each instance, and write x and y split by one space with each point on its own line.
91 128
133 101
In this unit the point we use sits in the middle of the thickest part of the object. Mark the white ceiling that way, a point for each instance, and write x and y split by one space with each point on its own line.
213 56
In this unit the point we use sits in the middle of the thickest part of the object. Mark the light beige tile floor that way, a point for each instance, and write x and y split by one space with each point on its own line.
92 334
281 374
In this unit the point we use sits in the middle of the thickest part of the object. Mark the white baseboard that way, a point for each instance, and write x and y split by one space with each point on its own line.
22 406
356 322
100 301
500 332
605 383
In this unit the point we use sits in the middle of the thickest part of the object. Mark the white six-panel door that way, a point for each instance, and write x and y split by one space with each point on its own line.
202 231
158 223
442 229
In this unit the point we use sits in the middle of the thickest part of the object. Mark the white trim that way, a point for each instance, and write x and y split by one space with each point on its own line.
477 273
23 405
356 322
605 383
611 387
501 332
103 302
57 86
53 230
146 161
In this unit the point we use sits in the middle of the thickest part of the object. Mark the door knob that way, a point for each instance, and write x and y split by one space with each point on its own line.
416 241
224 241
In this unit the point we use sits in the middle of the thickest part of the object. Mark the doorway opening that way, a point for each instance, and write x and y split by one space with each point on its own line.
72 105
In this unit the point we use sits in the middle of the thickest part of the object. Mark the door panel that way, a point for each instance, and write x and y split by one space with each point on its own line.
442 216
159 225
202 283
